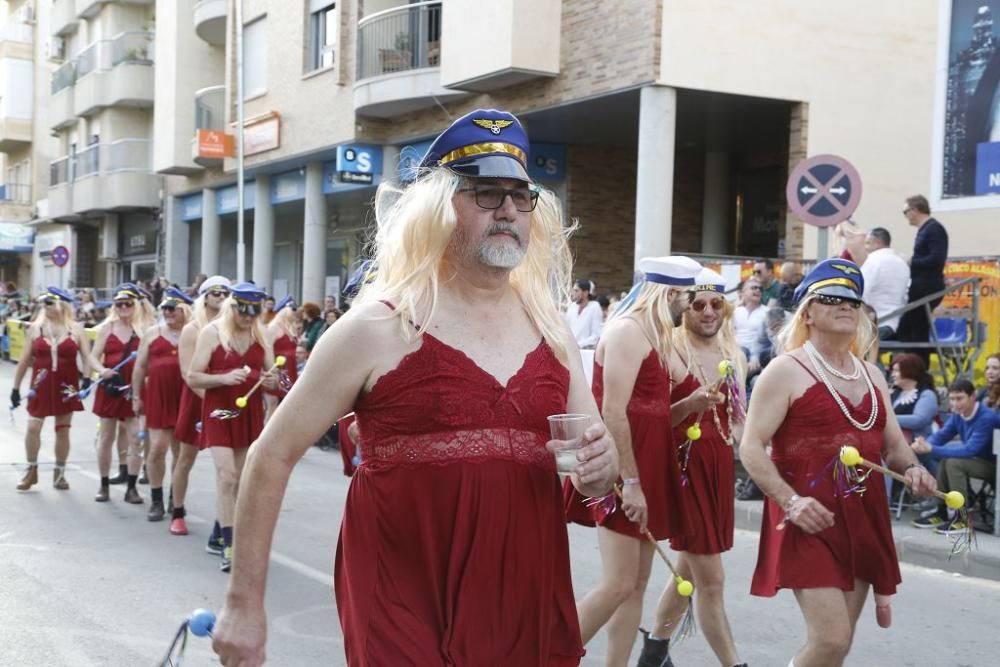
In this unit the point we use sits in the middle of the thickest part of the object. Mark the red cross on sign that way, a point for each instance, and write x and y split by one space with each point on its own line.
823 190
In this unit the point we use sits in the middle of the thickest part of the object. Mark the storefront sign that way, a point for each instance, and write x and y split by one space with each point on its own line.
262 133
988 272
16 238
216 145
358 164
191 207
547 162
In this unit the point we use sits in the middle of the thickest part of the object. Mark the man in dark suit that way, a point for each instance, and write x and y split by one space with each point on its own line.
930 250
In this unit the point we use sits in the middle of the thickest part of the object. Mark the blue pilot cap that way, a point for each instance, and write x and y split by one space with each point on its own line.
58 293
363 275
833 277
126 291
485 143
248 297
173 296
287 300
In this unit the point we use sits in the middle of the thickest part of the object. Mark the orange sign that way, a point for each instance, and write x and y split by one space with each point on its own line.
214 144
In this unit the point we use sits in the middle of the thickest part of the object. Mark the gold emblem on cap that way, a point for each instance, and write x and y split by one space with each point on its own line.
493 126
845 268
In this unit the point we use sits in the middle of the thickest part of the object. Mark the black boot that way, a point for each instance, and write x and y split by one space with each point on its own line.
121 477
143 477
655 652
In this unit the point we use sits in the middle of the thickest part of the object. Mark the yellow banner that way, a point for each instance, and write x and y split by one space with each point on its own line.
15 336
988 272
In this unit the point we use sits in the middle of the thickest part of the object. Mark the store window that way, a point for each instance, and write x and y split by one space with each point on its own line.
322 33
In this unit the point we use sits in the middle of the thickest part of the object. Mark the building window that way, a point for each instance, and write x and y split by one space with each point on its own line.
254 59
322 33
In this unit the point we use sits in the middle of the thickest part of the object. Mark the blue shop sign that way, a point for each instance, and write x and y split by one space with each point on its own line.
16 238
289 186
359 164
191 207
226 199
988 168
547 162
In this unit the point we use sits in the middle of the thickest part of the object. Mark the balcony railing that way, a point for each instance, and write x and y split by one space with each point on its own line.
135 48
123 155
15 193
210 108
400 39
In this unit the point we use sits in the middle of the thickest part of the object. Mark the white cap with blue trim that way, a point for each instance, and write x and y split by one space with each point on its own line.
674 270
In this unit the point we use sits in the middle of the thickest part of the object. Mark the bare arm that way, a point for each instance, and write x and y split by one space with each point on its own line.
599 461
83 341
185 352
198 376
97 354
773 395
141 363
347 353
25 361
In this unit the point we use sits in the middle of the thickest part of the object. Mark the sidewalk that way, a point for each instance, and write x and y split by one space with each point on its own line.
913 545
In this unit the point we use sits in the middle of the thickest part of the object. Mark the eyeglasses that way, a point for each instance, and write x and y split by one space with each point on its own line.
217 293
169 308
124 304
757 272
754 288
248 308
49 302
907 210
525 199
837 300
715 304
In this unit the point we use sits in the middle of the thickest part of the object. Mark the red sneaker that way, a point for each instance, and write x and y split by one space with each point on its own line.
178 527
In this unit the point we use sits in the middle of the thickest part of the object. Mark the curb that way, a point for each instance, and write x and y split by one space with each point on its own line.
915 549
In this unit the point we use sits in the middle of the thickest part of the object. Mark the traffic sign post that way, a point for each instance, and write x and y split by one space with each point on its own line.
60 256
823 191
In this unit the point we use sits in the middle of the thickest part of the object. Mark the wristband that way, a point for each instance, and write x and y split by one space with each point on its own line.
629 481
790 501
913 465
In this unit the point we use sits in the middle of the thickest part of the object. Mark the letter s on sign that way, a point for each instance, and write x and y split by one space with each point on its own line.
364 161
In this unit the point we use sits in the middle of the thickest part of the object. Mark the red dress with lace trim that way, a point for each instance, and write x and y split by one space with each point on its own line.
48 399
708 483
453 548
859 544
106 405
648 415
285 346
162 393
242 430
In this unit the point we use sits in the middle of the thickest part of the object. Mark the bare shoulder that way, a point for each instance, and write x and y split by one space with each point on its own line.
624 331
151 332
209 333
783 371
876 374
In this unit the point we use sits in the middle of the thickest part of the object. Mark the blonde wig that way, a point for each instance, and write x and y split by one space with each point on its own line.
201 313
651 308
415 228
725 339
285 322
185 311
65 317
226 324
795 333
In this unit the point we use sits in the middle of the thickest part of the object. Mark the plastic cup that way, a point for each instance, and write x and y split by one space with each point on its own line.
568 430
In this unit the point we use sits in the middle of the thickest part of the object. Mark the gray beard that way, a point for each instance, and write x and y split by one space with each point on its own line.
502 256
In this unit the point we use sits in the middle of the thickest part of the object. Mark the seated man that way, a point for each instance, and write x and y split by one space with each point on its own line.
954 463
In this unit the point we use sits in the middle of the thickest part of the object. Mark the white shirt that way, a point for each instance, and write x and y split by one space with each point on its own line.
749 326
887 281
585 325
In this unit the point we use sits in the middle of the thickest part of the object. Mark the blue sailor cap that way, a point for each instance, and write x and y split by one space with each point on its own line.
57 293
363 275
486 143
287 300
833 277
708 280
126 291
172 295
674 270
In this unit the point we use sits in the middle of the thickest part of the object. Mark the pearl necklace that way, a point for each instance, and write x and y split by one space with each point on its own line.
870 422
815 354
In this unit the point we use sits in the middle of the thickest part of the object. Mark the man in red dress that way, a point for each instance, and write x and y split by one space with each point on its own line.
453 547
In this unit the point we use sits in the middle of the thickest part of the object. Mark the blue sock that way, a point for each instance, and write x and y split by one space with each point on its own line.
216 532
227 535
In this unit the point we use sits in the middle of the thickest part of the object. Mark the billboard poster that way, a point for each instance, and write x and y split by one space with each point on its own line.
970 137
960 302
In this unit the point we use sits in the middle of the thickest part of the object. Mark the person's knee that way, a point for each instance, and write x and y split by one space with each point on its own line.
620 589
227 480
834 642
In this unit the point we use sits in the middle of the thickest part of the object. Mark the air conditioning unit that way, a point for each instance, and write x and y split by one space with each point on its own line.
26 14
57 48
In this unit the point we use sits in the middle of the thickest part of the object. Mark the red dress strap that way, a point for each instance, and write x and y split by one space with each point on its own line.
805 367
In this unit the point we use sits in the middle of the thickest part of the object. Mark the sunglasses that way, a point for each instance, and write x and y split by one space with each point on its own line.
217 293
124 304
248 308
49 302
168 308
715 304
837 300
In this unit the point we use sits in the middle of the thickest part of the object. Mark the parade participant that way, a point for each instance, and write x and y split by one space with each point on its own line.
452 359
52 344
156 389
231 356
820 536
147 313
632 383
283 332
212 293
707 468
117 338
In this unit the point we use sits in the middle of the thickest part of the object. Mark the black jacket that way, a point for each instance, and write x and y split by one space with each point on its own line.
930 250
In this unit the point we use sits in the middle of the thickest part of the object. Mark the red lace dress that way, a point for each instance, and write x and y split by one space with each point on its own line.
648 415
105 403
285 347
162 393
453 548
707 481
243 429
859 544
48 399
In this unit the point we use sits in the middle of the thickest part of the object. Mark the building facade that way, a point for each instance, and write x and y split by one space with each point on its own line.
664 125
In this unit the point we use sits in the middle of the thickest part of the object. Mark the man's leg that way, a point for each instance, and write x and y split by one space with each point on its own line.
829 626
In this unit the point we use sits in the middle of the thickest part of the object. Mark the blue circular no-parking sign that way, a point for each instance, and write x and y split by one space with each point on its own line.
60 255
824 190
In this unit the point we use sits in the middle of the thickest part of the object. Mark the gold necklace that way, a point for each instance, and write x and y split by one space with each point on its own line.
703 380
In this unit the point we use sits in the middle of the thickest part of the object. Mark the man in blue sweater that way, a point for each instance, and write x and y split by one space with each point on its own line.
971 456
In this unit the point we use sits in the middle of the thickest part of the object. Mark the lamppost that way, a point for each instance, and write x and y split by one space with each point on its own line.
241 250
